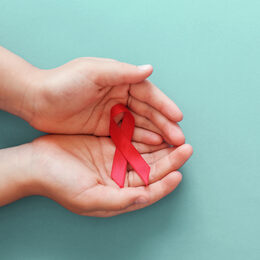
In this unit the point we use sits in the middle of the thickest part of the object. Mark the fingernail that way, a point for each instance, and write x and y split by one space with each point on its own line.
144 67
141 200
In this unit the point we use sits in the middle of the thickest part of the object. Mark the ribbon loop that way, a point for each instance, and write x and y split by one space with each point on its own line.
125 151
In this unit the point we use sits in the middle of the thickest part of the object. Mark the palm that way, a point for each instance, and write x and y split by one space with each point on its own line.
86 114
77 100
76 168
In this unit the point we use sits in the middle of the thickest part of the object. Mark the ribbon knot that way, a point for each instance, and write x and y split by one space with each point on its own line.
125 151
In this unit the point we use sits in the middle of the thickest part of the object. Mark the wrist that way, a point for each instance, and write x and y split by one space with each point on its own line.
18 96
16 177
18 84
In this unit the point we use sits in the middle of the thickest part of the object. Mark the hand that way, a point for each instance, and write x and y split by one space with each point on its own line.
76 98
75 172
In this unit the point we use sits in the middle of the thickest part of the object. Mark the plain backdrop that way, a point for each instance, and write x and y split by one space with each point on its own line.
206 57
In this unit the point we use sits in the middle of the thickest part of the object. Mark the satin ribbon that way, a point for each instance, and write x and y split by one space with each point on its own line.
125 151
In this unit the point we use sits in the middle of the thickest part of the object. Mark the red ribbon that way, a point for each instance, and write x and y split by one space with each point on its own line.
125 151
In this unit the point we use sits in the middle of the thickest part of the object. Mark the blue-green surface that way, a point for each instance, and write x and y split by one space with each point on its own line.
206 57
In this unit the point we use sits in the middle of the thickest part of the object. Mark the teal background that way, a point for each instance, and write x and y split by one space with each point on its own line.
206 57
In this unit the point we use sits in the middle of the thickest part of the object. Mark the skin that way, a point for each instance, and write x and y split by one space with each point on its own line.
74 167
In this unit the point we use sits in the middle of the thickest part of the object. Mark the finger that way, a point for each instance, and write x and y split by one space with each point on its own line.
145 136
116 73
160 168
152 194
150 94
143 122
100 59
171 131
146 148
154 156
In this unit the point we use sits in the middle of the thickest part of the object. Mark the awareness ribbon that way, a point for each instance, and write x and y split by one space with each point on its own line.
125 151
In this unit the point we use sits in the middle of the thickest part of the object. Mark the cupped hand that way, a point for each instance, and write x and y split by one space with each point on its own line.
74 170
77 97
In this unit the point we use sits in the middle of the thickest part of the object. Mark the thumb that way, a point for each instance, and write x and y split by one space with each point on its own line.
113 73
